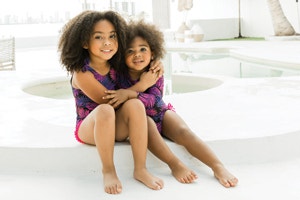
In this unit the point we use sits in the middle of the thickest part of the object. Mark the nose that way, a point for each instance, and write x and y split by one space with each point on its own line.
107 42
137 54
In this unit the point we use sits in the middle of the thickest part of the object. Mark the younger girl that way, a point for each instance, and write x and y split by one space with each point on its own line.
145 43
91 46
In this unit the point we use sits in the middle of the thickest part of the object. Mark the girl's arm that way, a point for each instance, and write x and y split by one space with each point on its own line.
117 97
147 80
157 66
86 82
150 96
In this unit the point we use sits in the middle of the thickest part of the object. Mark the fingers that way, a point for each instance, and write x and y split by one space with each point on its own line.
112 98
108 97
155 65
157 69
110 91
160 73
111 94
156 73
113 101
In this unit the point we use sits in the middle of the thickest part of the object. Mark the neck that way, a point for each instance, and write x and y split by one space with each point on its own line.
101 67
135 75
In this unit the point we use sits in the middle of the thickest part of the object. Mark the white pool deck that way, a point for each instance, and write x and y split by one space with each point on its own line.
253 125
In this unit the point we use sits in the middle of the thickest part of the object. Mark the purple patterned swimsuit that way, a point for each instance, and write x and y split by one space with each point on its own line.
151 98
84 105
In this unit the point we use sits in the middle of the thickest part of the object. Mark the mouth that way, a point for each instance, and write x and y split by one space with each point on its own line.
138 61
106 50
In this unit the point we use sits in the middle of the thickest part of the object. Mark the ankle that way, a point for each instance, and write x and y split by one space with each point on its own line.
106 170
216 167
173 162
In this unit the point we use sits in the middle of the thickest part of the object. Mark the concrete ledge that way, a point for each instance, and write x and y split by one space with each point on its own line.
85 159
283 38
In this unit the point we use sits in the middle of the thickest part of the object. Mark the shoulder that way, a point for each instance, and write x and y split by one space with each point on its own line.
81 77
160 79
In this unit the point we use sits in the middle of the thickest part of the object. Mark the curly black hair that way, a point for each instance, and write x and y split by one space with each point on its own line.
77 32
148 32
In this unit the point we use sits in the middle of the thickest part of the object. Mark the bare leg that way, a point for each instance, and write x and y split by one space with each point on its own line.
98 128
178 131
132 117
160 149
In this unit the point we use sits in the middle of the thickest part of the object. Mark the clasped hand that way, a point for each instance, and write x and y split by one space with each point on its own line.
118 97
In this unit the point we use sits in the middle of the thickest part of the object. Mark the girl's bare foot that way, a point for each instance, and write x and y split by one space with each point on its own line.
182 173
112 184
225 177
149 180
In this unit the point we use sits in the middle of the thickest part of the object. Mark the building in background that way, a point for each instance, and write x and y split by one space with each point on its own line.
249 18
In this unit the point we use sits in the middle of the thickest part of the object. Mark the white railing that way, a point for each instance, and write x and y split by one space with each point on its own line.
7 54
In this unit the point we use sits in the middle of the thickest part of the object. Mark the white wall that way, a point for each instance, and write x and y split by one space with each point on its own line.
255 16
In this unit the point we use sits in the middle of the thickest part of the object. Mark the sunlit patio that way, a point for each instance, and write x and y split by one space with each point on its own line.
252 123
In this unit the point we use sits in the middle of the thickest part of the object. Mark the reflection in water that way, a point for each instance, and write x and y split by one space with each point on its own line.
184 72
220 65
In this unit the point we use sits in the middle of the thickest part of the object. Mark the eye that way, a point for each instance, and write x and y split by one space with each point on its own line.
113 36
98 37
129 51
143 49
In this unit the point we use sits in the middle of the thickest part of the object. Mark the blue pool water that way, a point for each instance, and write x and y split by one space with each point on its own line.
222 65
184 72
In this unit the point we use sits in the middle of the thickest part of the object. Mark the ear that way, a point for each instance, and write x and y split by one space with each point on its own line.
152 56
85 46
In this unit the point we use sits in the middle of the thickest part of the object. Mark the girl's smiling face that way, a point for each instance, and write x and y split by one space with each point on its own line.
138 56
103 43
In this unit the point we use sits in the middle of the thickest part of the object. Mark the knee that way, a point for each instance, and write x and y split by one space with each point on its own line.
134 105
105 112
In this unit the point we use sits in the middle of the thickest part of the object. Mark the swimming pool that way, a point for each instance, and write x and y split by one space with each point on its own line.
60 88
184 72
221 64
